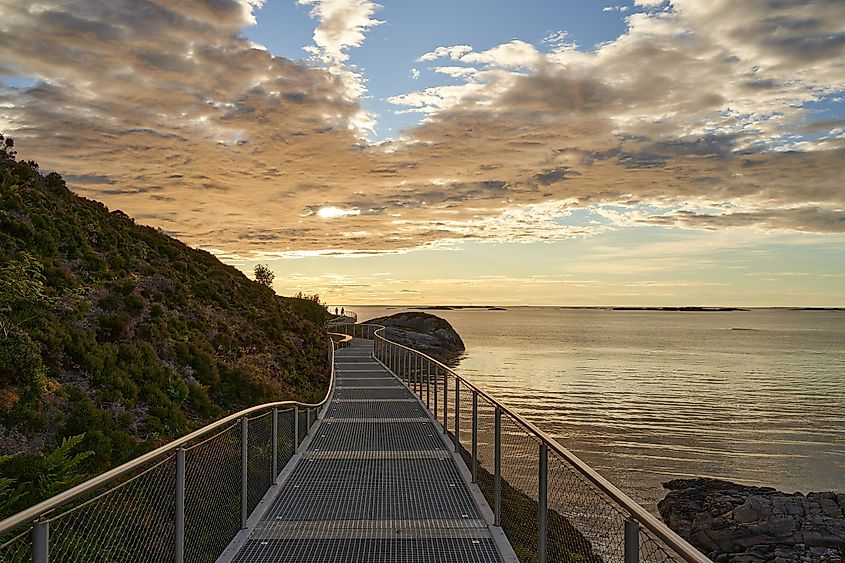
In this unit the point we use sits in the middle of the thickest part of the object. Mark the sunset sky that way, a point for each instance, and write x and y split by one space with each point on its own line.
547 152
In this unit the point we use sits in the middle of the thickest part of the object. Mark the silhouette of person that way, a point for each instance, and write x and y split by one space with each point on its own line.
342 312
335 311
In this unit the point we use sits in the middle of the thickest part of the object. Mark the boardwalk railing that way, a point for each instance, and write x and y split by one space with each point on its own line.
551 505
182 502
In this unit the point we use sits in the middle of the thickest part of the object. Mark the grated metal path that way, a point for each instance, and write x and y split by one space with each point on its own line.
376 484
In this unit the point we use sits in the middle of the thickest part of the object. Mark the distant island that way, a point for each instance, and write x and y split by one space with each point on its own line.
682 309
460 307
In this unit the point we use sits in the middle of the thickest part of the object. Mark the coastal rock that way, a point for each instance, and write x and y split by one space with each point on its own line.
427 333
734 523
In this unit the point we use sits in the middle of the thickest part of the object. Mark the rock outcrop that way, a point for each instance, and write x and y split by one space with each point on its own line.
427 333
743 524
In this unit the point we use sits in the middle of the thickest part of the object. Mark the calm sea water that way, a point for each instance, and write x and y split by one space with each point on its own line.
756 397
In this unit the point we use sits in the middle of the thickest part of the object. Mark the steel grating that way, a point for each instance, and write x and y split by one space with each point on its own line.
375 485
383 436
381 489
368 382
375 409
377 529
393 393
370 551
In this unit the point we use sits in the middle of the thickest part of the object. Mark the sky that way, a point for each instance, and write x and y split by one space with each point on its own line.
534 152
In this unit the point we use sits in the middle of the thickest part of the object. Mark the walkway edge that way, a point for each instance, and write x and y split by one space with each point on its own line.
266 502
503 545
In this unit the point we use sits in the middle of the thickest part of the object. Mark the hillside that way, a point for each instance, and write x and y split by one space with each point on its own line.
119 333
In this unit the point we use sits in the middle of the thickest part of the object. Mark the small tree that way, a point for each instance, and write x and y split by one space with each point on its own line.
264 275
7 148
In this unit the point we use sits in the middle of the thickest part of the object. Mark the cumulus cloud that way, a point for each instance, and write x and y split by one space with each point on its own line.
509 55
343 24
687 105
688 119
455 53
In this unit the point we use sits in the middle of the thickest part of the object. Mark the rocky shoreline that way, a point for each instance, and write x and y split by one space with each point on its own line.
427 333
734 523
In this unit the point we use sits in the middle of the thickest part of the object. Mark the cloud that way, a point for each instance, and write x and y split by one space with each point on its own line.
509 55
686 120
415 74
343 24
457 71
455 53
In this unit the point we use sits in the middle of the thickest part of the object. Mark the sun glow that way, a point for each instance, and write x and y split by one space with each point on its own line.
335 212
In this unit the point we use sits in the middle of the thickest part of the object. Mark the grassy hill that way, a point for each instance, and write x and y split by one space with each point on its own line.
124 335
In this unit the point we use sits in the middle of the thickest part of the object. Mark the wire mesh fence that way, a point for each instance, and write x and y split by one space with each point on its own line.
131 521
213 494
259 458
653 549
519 484
286 441
17 548
590 515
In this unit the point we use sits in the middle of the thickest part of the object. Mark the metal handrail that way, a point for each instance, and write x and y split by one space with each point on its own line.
637 512
43 508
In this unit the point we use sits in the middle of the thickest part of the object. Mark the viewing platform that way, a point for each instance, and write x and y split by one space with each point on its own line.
403 461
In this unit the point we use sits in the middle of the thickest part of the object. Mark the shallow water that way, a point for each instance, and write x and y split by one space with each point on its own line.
643 396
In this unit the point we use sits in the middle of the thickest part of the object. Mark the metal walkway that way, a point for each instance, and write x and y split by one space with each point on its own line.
376 484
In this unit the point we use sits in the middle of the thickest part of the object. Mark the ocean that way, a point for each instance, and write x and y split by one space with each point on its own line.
755 397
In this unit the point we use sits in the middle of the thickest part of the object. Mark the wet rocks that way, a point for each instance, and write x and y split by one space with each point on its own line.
743 524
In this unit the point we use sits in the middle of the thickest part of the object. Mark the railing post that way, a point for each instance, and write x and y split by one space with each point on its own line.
179 526
474 436
295 428
457 415
308 420
543 504
436 377
632 541
417 364
428 384
497 464
275 446
244 470
41 541
445 402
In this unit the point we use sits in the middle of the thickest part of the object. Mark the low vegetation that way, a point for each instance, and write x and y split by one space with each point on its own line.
115 337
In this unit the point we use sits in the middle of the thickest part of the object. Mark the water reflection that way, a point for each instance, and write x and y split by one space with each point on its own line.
645 397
